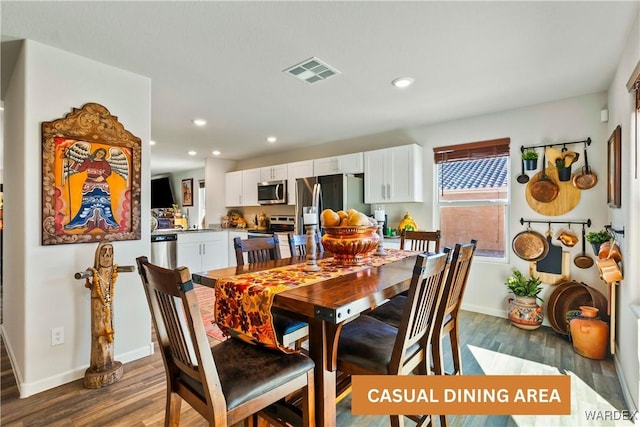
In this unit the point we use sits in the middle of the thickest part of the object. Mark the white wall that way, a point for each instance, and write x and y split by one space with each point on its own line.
39 289
214 177
176 183
621 112
573 119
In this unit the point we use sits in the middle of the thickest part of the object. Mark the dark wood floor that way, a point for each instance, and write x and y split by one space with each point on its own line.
138 398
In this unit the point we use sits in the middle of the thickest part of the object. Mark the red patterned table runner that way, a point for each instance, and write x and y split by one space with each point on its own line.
243 302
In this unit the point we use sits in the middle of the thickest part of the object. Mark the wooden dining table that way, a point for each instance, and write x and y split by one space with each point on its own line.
326 305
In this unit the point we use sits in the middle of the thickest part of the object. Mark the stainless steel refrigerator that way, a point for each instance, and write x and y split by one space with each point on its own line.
337 192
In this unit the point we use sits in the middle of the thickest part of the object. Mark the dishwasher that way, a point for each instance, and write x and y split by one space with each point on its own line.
163 250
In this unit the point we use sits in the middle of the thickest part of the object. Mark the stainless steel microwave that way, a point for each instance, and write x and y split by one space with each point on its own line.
272 192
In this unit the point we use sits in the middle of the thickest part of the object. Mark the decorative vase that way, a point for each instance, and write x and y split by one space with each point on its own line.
525 313
589 334
596 248
564 174
531 164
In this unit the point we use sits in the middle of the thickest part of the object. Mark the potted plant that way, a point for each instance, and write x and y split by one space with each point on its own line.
530 159
597 238
564 171
524 311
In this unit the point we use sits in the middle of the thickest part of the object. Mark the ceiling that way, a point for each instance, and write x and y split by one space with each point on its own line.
224 62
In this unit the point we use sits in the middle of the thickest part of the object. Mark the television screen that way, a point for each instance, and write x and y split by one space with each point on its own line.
161 194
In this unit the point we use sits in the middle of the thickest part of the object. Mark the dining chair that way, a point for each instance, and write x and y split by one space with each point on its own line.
368 346
423 241
256 249
229 382
290 332
446 316
298 244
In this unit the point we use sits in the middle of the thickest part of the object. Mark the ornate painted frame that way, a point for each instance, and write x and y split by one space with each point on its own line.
614 169
91 167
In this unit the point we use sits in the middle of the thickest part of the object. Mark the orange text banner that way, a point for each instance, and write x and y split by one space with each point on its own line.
461 395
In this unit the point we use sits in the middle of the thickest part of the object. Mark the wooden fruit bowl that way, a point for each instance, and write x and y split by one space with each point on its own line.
351 245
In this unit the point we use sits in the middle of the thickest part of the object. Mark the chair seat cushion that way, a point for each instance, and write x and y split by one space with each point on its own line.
368 343
284 325
247 371
391 311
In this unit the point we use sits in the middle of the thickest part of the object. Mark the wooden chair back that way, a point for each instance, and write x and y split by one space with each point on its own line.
416 325
423 241
457 277
190 367
298 244
182 339
257 249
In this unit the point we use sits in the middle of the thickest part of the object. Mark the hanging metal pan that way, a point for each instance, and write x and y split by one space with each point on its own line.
586 178
544 190
583 260
530 245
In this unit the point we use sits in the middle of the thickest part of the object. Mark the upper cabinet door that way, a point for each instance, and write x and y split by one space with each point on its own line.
406 174
274 173
303 169
348 163
233 188
376 182
393 175
241 187
250 179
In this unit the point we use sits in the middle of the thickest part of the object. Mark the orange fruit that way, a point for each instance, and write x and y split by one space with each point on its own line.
329 218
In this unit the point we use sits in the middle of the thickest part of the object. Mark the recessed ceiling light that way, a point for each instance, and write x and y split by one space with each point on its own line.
272 139
192 153
199 122
402 82
152 142
215 152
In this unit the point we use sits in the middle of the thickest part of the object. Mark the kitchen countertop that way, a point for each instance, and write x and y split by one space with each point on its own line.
191 230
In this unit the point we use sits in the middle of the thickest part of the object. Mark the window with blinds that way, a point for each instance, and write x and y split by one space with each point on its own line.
473 194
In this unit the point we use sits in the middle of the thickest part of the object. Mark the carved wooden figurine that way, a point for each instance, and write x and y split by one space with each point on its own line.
101 280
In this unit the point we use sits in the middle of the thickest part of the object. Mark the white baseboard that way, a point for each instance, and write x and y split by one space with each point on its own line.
484 310
29 389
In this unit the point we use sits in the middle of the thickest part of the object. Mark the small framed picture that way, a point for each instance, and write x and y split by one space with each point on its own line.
614 172
187 192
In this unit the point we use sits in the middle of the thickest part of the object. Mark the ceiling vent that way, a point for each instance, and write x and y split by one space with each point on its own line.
312 70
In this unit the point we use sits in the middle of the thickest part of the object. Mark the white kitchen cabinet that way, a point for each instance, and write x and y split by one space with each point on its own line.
233 188
202 250
274 173
303 169
393 175
250 179
348 163
241 187
285 251
391 243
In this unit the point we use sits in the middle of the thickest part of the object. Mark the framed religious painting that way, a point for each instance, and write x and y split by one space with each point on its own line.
90 178
187 192
614 169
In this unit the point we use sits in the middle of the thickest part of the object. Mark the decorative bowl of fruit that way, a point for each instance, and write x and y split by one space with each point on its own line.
350 236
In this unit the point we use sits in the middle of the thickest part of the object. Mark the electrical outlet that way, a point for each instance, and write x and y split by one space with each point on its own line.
57 335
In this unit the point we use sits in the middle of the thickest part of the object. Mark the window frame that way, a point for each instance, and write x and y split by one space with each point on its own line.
506 203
